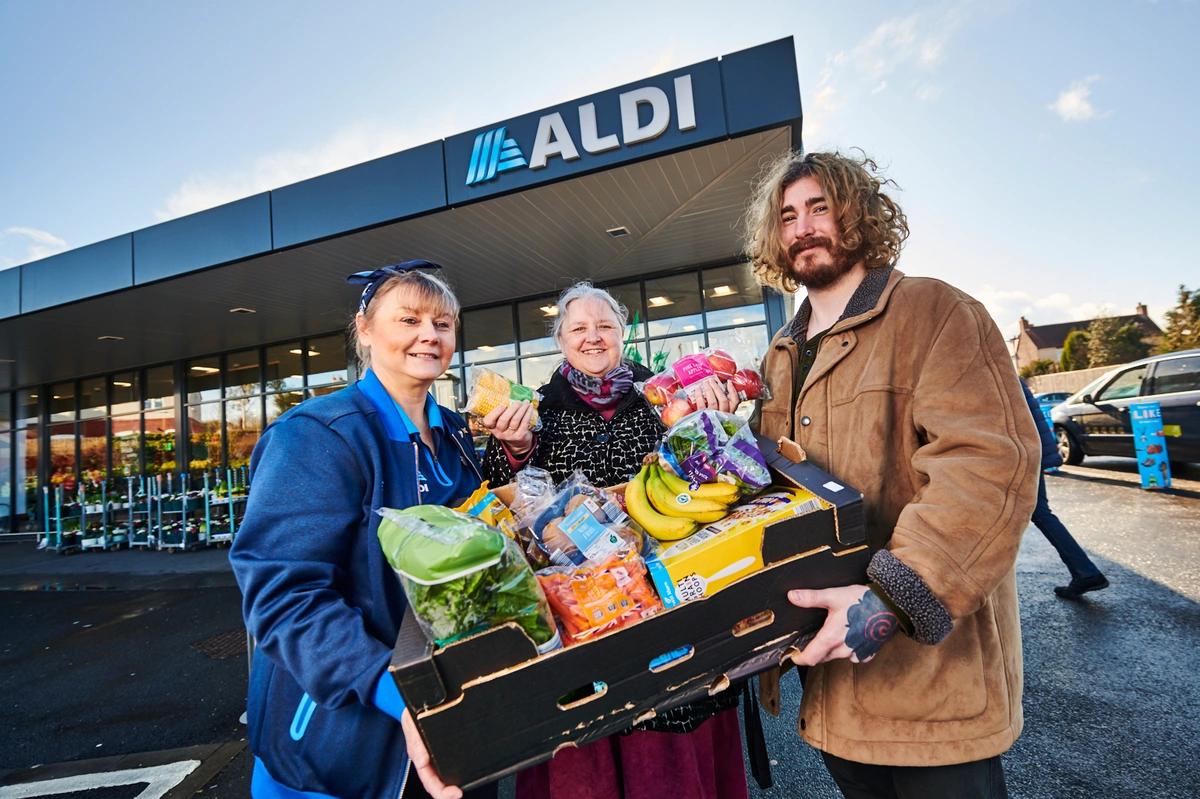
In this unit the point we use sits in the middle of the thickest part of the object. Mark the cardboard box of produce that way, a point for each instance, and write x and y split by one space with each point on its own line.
488 705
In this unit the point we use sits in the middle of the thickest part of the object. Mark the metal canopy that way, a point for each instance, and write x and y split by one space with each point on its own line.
681 209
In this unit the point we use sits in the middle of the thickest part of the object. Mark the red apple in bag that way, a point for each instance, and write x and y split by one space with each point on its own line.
748 383
679 407
722 363
659 389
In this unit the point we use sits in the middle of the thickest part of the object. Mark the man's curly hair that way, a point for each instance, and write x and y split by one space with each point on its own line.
871 224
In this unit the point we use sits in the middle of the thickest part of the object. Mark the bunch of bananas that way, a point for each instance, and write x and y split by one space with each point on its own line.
667 507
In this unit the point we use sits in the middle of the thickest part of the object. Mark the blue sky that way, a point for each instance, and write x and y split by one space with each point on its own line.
1046 151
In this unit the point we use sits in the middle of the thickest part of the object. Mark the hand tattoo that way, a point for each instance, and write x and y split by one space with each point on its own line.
869 624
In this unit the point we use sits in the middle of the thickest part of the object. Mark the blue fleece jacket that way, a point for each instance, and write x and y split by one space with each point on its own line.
320 598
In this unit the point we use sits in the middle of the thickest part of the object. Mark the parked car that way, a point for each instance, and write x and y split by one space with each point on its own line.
1095 420
1051 397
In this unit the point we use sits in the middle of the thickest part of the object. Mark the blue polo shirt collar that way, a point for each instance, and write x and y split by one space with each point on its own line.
399 427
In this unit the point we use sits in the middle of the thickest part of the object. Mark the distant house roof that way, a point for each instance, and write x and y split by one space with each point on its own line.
1053 336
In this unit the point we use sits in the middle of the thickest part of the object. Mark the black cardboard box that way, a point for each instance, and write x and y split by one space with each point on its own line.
488 705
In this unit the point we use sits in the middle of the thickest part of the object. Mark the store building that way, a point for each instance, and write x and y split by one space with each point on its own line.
168 349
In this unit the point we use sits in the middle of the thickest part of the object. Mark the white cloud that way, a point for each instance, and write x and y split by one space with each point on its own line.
928 93
915 43
1074 104
351 145
29 244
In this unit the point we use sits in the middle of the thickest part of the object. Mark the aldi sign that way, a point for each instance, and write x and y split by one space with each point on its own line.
667 112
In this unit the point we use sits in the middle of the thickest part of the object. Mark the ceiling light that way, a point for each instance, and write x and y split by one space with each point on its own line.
298 351
110 338
486 347
658 302
8 360
208 370
549 310
242 310
122 384
33 396
738 320
618 232
688 328
722 291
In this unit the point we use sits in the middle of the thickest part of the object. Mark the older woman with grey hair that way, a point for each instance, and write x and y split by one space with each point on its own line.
593 420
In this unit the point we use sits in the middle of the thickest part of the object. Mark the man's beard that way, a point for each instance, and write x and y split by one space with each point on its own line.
820 275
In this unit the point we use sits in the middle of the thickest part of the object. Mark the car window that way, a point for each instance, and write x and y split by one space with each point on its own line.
1125 385
1176 374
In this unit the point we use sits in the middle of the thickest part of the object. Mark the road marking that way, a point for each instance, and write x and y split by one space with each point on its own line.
160 778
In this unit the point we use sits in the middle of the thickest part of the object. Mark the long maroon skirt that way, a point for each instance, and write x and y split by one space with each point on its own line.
705 763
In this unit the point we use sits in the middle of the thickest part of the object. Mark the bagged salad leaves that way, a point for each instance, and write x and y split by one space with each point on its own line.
709 446
462 576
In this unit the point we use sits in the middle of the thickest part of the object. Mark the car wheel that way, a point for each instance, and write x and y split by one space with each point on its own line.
1068 447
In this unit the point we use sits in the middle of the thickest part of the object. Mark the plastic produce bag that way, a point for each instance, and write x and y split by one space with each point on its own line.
463 576
672 393
490 389
707 446
578 523
594 599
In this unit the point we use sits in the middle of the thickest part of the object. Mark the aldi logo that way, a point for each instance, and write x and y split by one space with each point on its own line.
644 113
493 154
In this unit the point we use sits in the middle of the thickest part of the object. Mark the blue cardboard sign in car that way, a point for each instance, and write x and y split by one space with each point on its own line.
1096 419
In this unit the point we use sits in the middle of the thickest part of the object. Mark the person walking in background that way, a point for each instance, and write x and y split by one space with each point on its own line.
1085 576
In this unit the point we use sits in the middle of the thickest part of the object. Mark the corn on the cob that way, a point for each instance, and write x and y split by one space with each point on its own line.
492 390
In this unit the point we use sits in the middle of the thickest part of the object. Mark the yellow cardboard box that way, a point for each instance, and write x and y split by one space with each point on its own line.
721 552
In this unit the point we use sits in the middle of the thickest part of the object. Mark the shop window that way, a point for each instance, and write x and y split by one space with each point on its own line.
536 371
668 350
327 361
158 442
25 481
92 401
447 390
62 456
160 388
673 305
747 345
28 409
203 380
488 334
285 367
125 395
630 296
204 437
282 402
93 445
126 445
732 296
534 320
243 426
243 374
63 402
7 511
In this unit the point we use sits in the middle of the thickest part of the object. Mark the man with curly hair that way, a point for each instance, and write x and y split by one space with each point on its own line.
903 388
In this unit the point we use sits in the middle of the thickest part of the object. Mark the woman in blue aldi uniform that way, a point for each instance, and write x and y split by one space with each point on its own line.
319 597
